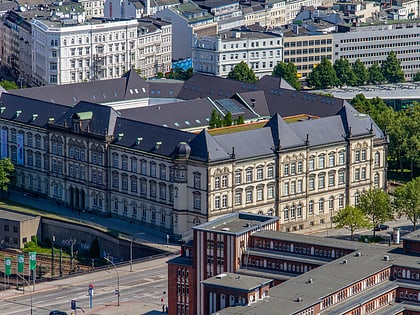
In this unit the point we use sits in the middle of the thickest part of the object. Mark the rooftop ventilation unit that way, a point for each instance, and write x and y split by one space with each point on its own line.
386 257
310 280
120 136
157 144
2 109
358 254
139 140
18 112
34 116
344 261
299 299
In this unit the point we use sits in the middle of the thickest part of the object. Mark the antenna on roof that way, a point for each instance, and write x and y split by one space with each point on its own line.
233 153
307 139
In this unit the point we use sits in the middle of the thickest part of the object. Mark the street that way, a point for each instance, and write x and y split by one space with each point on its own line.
141 292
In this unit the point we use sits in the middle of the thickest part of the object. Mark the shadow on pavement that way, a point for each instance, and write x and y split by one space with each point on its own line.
153 313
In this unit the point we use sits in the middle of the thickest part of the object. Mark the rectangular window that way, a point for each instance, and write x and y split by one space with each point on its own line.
293 168
270 192
260 173
299 167
321 162
357 156
311 183
321 181
341 158
238 177
286 170
299 186
260 193
270 172
217 182
357 174
363 173
238 198
331 161
217 202
286 189
224 201
224 181
311 164
331 179
248 196
248 175
364 155
341 177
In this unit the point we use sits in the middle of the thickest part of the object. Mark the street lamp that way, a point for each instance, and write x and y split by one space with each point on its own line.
52 256
118 279
131 250
73 241
29 287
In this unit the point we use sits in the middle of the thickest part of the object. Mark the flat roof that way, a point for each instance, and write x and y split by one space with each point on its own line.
14 216
236 282
236 223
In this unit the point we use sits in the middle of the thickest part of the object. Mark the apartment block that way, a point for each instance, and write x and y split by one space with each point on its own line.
218 55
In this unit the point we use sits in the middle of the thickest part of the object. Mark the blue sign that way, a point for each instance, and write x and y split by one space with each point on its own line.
73 304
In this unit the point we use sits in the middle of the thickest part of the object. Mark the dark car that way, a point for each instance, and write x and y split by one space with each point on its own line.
57 313
381 227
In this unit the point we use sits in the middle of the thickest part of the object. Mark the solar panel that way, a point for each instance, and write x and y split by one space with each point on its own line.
230 106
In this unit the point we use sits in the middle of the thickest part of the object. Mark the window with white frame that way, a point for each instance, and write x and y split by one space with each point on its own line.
311 164
356 198
248 195
217 182
224 201
311 207
197 180
293 169
311 183
270 172
376 181
292 187
300 167
292 211
321 161
331 160
331 203
299 186
341 177
357 156
286 213
248 175
285 189
331 179
341 201
341 158
260 193
286 169
321 205
299 210
217 202
363 173
224 181
377 159
321 181
357 174
238 177
238 197
270 192
260 173
364 154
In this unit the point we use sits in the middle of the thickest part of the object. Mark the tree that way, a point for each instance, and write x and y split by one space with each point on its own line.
375 74
352 219
391 69
323 75
360 72
288 72
6 174
416 77
242 72
344 72
227 121
407 201
239 120
180 74
214 120
376 205
8 85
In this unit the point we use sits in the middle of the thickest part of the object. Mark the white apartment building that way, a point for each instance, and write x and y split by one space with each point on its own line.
372 44
218 55
98 49
93 8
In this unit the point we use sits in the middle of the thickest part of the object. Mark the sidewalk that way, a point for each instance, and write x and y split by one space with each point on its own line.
142 234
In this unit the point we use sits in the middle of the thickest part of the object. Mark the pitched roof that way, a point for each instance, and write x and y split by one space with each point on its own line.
282 133
205 147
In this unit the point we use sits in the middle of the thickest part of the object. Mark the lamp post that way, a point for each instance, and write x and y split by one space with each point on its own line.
52 256
73 241
131 250
29 286
118 279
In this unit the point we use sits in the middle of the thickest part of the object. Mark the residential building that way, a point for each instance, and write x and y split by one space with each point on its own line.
218 55
135 8
227 13
187 19
359 11
372 44
402 9
93 157
306 49
241 264
92 8
72 52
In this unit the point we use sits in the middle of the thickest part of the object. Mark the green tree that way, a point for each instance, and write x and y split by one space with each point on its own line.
239 120
391 69
344 72
416 77
375 74
376 205
288 72
227 121
360 72
214 119
352 219
411 143
180 74
6 174
94 250
8 85
322 76
242 72
407 201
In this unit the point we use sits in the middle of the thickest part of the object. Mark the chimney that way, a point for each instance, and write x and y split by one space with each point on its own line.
147 7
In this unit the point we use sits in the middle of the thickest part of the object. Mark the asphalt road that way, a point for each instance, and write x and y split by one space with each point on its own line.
141 292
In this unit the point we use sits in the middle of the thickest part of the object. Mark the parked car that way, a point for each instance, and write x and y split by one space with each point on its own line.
381 227
57 313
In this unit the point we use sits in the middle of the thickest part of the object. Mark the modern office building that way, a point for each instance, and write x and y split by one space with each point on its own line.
242 264
91 156
372 43
219 54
